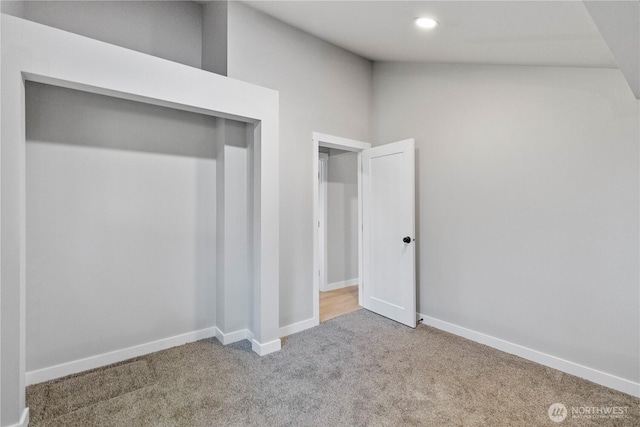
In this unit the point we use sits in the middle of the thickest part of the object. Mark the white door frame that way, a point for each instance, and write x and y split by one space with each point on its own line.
330 141
323 172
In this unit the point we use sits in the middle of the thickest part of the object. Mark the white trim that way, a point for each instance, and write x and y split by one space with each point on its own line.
323 140
316 232
294 328
339 285
80 365
231 337
554 362
24 419
340 143
266 348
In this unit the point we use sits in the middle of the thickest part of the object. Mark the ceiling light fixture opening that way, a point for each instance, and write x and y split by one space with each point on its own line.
426 23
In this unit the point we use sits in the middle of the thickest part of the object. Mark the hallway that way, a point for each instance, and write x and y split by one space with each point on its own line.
338 302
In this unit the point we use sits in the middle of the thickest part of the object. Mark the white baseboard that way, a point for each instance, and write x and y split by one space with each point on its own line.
339 285
64 369
298 327
266 348
231 337
554 362
24 419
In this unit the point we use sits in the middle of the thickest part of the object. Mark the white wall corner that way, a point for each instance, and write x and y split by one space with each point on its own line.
266 348
572 368
231 337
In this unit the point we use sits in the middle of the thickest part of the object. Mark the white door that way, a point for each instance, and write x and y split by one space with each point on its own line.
388 221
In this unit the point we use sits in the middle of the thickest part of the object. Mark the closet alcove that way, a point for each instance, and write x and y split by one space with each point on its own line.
134 189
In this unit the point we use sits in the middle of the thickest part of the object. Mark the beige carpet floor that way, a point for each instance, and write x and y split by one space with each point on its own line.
359 369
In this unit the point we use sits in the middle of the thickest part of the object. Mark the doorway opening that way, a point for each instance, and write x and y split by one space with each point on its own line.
120 216
338 226
338 231
385 226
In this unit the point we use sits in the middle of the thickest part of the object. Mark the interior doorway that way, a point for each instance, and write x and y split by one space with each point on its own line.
338 236
385 226
338 220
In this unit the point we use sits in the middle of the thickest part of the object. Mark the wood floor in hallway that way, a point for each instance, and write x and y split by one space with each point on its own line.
338 302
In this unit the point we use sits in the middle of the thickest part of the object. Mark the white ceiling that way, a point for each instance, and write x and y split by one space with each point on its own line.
547 33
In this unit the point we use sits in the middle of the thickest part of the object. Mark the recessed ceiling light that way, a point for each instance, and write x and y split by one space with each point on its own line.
426 23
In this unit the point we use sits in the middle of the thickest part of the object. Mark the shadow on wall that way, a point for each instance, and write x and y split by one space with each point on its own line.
120 218
106 122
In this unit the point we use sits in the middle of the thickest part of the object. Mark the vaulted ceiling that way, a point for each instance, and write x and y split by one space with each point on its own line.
541 33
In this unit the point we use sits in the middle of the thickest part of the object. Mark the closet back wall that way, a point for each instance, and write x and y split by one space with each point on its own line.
121 215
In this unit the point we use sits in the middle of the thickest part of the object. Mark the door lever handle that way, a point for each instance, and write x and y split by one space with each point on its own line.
407 239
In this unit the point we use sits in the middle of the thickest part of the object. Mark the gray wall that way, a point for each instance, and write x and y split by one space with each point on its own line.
9 405
233 225
527 180
214 37
528 202
322 88
121 215
342 218
167 29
